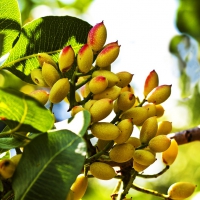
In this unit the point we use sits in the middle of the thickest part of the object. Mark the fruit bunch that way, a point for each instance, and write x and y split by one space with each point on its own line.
92 86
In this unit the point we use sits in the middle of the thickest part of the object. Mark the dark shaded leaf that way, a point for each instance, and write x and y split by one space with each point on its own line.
49 166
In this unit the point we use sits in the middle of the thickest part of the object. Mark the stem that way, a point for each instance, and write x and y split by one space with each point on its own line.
97 155
89 73
89 96
51 107
72 95
86 169
90 147
154 175
142 146
148 191
83 83
129 184
141 103
116 190
116 118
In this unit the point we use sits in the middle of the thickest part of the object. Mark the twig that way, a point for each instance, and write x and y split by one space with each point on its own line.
148 191
116 190
97 155
154 175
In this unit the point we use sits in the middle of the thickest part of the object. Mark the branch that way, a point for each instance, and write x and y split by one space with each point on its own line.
186 136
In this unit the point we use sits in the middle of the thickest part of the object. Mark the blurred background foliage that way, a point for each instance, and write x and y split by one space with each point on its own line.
80 6
185 47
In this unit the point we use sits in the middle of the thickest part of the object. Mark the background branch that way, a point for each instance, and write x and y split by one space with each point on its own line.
186 136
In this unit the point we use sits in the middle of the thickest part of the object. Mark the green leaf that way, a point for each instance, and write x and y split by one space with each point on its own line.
47 34
23 113
78 124
10 23
49 165
10 143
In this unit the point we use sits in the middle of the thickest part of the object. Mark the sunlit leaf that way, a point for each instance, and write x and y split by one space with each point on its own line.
10 23
78 124
23 113
47 34
49 166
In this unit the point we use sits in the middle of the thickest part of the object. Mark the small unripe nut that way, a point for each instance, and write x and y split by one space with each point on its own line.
148 130
79 186
59 90
107 56
66 58
151 82
171 153
122 152
97 36
37 78
101 109
159 94
98 84
50 74
144 157
85 58
41 95
46 58
105 130
102 171
159 143
181 190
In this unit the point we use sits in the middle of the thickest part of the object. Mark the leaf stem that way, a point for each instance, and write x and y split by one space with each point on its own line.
141 103
116 118
25 58
89 73
51 107
142 146
83 83
72 98
89 96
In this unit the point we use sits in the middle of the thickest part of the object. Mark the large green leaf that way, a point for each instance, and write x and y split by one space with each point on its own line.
23 113
78 124
10 23
49 165
47 34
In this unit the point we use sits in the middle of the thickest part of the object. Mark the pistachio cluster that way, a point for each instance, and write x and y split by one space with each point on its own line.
95 88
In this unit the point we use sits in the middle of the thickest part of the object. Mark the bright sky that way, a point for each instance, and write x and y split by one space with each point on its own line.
143 29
